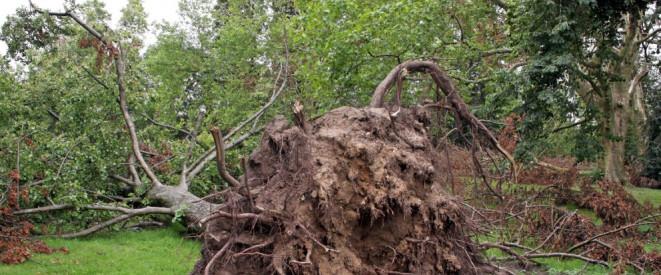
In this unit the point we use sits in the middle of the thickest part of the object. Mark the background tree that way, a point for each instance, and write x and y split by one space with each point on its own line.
586 62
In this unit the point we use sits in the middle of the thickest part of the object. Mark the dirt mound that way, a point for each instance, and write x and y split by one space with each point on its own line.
359 193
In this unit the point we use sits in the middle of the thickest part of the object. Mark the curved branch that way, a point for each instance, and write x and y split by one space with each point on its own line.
220 158
443 82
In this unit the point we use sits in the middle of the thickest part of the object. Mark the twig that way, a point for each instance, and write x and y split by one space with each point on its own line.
246 185
326 248
220 252
567 255
96 79
307 259
637 223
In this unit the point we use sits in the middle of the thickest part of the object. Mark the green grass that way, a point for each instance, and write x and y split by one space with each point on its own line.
159 251
646 194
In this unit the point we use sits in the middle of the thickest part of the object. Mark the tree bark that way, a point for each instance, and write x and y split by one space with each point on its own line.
620 104
194 208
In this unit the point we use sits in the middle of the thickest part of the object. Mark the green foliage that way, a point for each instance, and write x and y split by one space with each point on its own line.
652 167
27 31
345 48
564 81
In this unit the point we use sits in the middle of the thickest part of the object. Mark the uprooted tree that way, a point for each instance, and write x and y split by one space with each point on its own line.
438 212
355 191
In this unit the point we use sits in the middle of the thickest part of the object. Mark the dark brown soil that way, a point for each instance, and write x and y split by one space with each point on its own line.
361 193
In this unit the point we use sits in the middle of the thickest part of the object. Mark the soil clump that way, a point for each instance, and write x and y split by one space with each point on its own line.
360 192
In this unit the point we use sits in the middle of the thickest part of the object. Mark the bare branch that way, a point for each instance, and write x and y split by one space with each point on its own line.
567 255
649 36
220 252
183 183
43 209
54 115
637 223
568 126
443 82
122 179
129 213
96 78
220 158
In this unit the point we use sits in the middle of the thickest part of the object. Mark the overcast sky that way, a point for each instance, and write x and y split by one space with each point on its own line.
157 10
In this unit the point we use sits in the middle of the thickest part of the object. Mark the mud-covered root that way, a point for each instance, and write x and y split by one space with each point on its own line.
350 196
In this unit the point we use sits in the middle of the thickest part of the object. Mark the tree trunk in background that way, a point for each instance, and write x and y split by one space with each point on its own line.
613 133
621 103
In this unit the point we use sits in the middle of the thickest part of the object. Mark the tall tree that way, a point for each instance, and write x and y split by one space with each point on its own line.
586 61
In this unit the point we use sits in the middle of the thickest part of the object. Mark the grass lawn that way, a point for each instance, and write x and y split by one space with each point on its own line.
645 194
159 251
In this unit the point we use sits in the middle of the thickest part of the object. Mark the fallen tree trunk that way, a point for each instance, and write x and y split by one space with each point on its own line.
193 208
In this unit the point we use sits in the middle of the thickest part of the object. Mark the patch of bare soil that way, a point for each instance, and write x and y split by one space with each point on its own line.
360 193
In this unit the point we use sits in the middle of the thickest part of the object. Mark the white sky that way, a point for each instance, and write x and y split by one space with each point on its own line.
157 10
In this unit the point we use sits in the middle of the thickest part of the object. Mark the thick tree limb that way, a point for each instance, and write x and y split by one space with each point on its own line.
443 82
43 209
220 158
134 172
127 213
